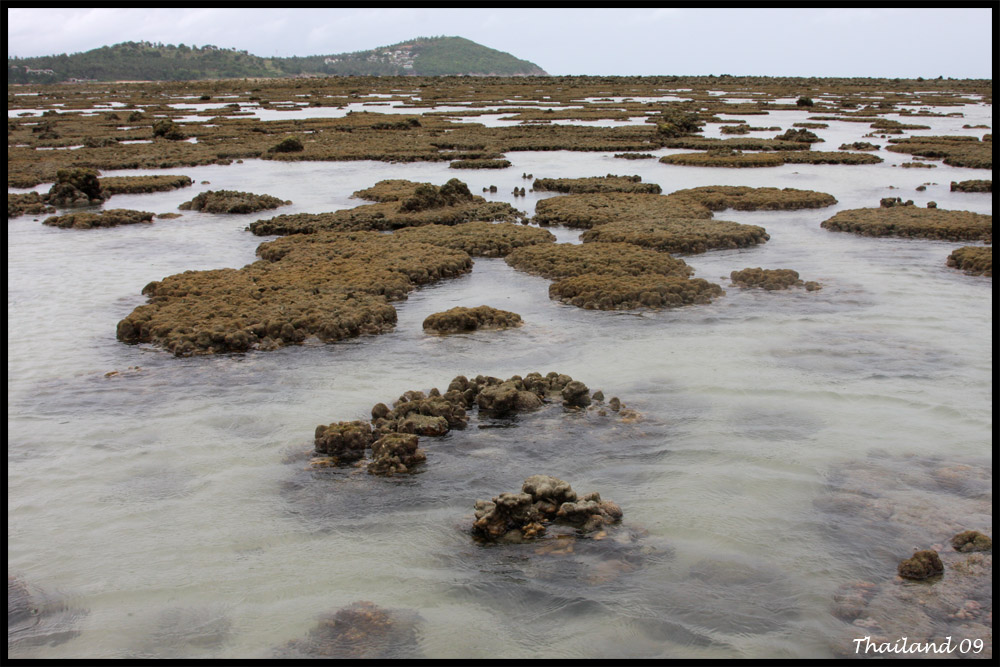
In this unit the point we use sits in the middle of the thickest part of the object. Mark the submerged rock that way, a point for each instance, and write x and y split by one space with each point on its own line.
35 618
971 540
614 276
361 630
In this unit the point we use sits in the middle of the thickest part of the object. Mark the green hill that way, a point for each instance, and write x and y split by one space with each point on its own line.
146 61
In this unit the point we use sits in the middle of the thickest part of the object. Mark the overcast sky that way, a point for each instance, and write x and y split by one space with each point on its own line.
893 42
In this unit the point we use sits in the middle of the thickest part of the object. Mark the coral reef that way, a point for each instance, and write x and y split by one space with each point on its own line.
609 183
589 210
543 500
29 203
121 185
333 285
401 204
107 218
742 198
893 219
614 276
921 565
482 163
76 187
479 239
395 453
974 260
231 201
972 186
723 158
971 540
461 319
685 235
771 279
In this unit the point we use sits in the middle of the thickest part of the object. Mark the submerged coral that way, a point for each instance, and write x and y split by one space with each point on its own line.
609 183
361 630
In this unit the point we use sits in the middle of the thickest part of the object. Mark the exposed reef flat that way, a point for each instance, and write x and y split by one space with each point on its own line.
957 151
589 210
913 222
401 204
121 185
742 198
479 239
614 276
330 286
609 183
683 235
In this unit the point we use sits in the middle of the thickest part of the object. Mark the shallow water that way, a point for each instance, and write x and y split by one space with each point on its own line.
172 508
